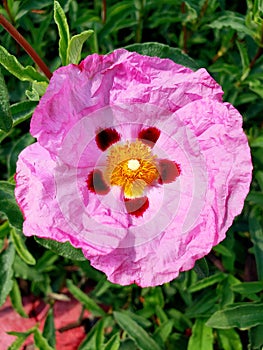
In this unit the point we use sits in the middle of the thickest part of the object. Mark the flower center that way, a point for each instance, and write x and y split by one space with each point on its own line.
131 166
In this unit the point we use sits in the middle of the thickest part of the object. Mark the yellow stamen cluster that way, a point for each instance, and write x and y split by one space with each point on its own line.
131 166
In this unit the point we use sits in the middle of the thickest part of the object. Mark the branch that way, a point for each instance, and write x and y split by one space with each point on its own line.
25 45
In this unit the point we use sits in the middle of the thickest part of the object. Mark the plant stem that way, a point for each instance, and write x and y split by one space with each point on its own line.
104 11
25 45
258 53
183 10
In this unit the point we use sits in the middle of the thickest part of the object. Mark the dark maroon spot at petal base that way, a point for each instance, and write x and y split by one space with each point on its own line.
168 170
136 206
149 135
96 183
107 137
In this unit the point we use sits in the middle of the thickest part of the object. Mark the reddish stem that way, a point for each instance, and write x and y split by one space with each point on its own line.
26 46
104 11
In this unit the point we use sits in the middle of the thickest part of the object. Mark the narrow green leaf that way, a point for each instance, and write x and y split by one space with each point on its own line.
16 300
255 338
63 30
6 272
164 51
180 321
259 178
4 229
229 339
22 270
202 336
22 111
88 303
223 250
203 306
41 342
163 332
243 51
248 287
142 339
207 282
89 343
99 336
64 249
6 121
8 204
14 67
255 197
17 344
21 248
75 46
49 331
22 143
234 21
201 268
140 320
244 315
256 232
113 343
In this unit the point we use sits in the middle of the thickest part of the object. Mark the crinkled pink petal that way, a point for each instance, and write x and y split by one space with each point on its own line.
128 92
37 195
121 77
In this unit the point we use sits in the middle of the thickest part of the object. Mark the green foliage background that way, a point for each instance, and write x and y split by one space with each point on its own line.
218 304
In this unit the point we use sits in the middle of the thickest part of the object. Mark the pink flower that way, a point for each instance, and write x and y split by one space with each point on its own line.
138 162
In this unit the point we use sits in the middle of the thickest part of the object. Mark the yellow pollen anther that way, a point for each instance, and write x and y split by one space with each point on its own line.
131 166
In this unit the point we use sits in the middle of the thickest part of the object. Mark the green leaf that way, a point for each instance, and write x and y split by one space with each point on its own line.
247 288
203 306
255 338
14 67
180 321
64 249
87 302
243 316
207 282
163 332
38 90
6 272
17 344
4 229
243 51
8 204
113 343
202 336
21 337
6 121
256 232
164 51
22 143
16 300
63 29
201 268
234 21
22 111
142 339
41 342
21 248
140 320
49 331
257 142
22 270
229 339
75 46
96 333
